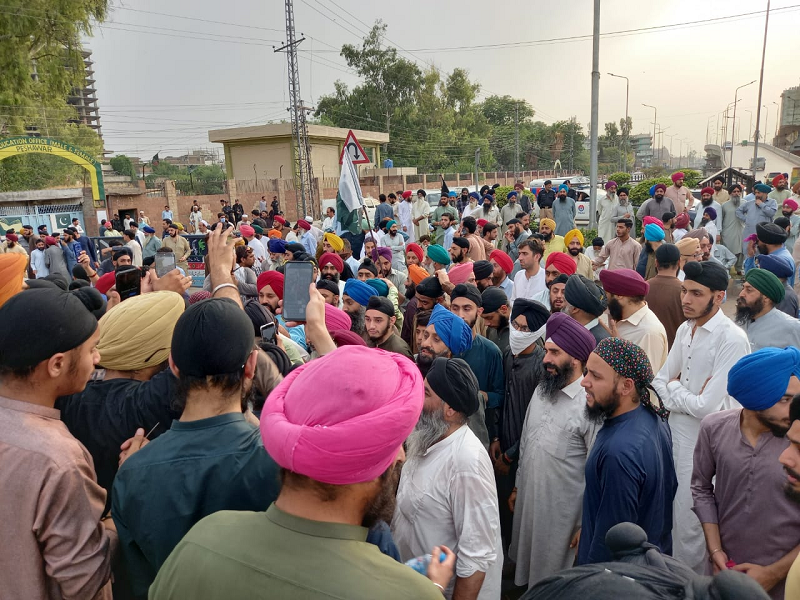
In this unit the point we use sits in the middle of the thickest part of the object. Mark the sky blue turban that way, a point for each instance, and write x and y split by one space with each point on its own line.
276 246
452 195
563 187
653 190
359 291
759 380
451 329
653 232
438 254
378 285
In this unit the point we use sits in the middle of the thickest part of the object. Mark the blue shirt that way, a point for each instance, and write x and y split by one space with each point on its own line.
309 243
88 246
782 252
71 251
193 470
166 214
383 210
630 476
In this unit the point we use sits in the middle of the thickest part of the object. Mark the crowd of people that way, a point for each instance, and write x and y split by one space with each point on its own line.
475 402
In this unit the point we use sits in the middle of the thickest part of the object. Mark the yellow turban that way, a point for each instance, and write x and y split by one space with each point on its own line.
239 242
573 233
178 225
137 333
12 271
549 222
335 241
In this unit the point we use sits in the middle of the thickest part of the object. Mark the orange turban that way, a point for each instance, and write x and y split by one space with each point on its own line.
12 271
274 234
417 273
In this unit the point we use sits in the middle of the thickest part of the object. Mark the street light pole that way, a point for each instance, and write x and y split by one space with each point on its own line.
655 124
595 106
627 130
733 126
680 152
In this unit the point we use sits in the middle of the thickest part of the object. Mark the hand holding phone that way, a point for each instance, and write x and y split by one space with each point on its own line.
165 262
128 282
297 277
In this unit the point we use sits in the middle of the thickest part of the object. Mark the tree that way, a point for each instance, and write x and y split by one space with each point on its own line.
122 165
40 59
612 133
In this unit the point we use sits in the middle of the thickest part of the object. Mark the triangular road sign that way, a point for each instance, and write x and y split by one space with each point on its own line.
357 153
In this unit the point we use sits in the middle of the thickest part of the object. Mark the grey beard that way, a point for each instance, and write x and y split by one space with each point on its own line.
357 321
736 200
430 428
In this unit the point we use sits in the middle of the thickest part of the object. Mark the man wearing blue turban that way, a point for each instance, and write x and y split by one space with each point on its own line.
747 518
356 295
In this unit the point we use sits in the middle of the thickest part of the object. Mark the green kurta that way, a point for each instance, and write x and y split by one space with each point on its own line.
277 555
438 232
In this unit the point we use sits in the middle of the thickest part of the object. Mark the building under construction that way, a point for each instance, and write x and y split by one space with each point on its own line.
84 99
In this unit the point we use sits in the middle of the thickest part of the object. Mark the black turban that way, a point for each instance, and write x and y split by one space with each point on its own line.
258 315
213 337
57 320
381 304
430 288
535 313
369 266
707 273
598 241
482 269
78 272
667 254
295 247
92 300
331 286
454 382
58 280
492 299
468 291
585 294
461 242
770 233
561 278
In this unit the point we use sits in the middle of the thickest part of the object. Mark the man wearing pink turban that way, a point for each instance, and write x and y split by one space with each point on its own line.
679 193
338 447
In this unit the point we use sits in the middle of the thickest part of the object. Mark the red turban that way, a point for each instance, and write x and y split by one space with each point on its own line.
623 282
279 219
502 259
12 237
676 176
649 219
336 318
105 283
331 259
50 240
272 279
303 224
776 179
681 221
707 190
354 432
416 249
407 194
561 261
482 222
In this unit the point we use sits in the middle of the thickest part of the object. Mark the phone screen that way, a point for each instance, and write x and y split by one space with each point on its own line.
298 275
128 283
268 332
165 262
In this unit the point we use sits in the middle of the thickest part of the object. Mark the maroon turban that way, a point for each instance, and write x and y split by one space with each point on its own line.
623 282
331 259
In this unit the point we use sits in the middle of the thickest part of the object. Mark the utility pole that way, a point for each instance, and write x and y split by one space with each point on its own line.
760 90
626 133
655 123
733 125
594 116
516 141
303 175
571 147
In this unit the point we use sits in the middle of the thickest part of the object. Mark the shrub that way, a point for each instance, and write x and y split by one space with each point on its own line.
620 178
641 191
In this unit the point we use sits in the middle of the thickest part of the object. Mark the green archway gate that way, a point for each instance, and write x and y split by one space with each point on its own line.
24 144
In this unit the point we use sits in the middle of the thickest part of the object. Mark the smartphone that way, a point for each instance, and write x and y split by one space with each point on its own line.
165 262
268 332
128 282
298 276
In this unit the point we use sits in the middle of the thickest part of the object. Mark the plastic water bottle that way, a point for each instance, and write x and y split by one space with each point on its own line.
420 563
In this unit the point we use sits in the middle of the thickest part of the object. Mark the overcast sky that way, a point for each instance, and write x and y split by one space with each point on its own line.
164 81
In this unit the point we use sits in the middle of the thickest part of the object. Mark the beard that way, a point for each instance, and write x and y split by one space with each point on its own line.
487 208
547 236
707 310
382 506
788 214
459 258
563 198
376 339
552 383
615 309
480 284
791 492
659 198
334 277
704 222
357 321
777 428
425 359
707 202
430 428
744 313
574 251
736 200
393 233
474 320
600 412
